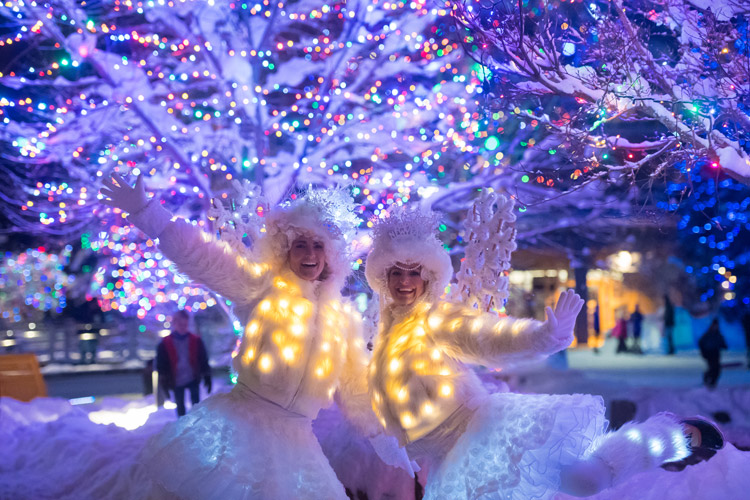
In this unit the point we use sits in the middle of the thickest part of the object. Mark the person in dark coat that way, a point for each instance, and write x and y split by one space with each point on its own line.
89 318
182 362
597 327
746 327
637 321
711 344
669 322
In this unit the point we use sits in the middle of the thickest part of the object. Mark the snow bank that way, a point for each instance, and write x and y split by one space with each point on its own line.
54 450
724 477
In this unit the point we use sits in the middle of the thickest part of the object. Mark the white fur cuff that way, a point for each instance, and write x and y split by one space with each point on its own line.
638 447
152 219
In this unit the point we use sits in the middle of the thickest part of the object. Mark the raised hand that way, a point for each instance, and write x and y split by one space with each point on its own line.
120 195
562 320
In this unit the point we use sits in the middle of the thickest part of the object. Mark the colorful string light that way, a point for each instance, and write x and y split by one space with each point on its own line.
33 280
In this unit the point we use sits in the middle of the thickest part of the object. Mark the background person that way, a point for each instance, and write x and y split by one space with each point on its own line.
711 344
182 361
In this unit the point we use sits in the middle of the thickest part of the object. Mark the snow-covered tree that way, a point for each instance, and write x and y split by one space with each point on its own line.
196 94
647 88
376 94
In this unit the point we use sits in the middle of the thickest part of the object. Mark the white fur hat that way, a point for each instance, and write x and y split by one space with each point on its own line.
326 214
407 235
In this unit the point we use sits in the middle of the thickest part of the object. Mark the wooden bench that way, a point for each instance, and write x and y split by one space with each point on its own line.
20 377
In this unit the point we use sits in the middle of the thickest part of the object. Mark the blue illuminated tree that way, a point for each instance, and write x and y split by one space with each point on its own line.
714 233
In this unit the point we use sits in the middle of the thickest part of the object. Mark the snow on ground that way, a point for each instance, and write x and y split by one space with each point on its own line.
52 449
724 477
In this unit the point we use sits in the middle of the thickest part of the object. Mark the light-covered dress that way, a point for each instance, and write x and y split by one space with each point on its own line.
499 446
301 345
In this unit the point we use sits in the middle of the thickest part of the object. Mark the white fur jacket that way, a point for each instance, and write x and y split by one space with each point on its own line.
301 342
417 375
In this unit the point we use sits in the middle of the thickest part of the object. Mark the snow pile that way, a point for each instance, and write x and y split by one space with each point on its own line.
723 477
67 368
728 405
730 158
54 450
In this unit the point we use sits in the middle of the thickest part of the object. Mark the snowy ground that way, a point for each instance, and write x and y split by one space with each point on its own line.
54 449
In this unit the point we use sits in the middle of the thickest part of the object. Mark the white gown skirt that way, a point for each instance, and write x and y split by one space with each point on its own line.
240 446
514 446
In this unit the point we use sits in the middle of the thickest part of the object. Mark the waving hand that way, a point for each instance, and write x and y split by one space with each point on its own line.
562 320
120 194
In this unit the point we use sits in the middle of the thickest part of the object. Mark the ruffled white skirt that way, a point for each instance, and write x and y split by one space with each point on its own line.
514 445
240 446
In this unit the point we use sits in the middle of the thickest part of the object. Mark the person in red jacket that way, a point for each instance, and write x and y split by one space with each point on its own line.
181 361
620 332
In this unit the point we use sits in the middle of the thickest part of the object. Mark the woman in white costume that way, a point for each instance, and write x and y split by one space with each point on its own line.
301 345
482 446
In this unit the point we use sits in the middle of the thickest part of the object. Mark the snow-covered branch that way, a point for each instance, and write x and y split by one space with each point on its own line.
610 74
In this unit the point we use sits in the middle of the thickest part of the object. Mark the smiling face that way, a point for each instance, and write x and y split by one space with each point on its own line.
405 283
307 258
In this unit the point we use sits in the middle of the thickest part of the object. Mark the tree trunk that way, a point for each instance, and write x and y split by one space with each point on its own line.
580 270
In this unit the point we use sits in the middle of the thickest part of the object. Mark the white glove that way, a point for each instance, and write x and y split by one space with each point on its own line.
391 453
120 195
561 322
